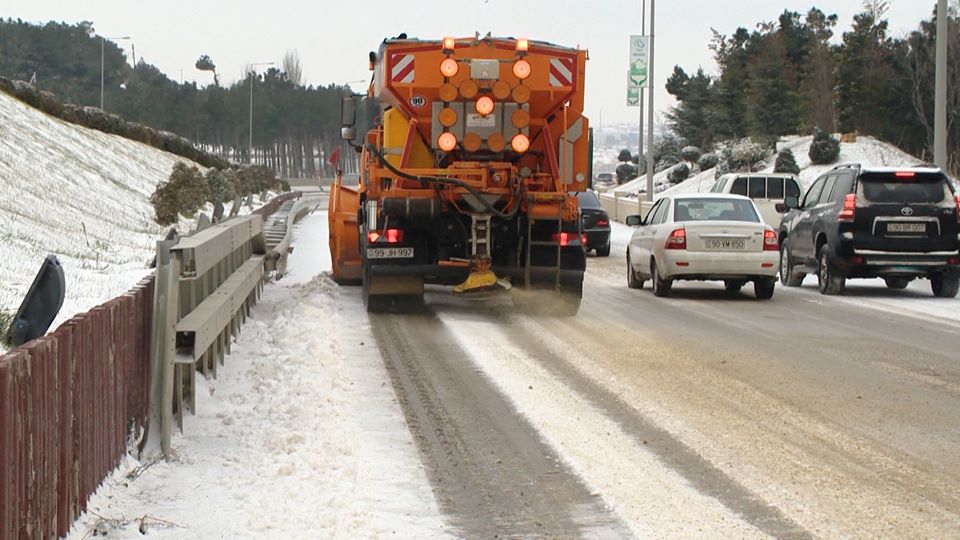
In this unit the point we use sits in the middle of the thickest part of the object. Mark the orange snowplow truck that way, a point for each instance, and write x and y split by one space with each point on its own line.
468 176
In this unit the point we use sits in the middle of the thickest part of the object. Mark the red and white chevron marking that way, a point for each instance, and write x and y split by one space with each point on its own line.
561 71
402 71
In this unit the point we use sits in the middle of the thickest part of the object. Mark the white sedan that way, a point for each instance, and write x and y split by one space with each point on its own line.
704 237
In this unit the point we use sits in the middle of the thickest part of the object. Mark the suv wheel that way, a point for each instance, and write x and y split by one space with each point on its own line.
763 288
661 287
831 281
633 281
944 285
897 282
788 276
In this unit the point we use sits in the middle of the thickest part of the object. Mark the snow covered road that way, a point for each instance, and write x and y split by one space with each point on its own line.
707 414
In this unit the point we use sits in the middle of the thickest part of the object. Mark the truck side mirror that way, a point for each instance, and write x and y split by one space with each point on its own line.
348 117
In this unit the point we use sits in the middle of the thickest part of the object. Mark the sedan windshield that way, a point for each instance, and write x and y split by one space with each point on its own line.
686 210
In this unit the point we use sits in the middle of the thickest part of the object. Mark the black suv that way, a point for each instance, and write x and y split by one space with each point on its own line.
858 222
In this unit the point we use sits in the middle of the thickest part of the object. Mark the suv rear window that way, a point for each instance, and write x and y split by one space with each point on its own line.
919 189
588 200
714 210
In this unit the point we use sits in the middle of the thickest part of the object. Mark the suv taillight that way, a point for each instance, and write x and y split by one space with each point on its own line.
958 208
770 242
849 210
677 240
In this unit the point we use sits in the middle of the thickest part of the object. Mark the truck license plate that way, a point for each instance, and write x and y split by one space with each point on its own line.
725 244
906 227
390 253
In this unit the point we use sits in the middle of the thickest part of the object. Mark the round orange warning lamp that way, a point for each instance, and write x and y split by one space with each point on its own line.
520 143
496 142
448 92
521 94
447 117
485 105
449 67
471 142
520 118
469 88
501 90
521 69
447 141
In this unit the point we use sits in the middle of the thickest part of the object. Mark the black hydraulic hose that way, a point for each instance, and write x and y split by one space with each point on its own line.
448 181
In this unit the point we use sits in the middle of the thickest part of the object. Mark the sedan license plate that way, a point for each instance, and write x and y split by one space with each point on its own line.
726 244
390 253
906 227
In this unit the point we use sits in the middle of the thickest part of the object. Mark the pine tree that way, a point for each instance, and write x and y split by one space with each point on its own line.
786 163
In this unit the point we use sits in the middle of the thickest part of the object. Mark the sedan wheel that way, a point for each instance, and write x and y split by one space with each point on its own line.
763 288
632 280
661 287
830 281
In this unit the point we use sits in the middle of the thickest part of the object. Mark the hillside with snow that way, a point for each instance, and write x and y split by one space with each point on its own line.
79 194
866 150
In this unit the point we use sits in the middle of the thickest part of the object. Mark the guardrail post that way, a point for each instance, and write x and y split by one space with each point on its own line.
166 307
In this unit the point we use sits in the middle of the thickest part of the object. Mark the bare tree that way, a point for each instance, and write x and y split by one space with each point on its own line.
876 8
293 67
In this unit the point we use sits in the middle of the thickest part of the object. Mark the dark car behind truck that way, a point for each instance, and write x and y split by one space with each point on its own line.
595 222
857 222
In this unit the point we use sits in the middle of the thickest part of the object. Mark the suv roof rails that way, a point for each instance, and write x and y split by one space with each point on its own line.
848 166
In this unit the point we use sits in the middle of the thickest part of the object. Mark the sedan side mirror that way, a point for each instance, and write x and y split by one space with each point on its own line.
634 221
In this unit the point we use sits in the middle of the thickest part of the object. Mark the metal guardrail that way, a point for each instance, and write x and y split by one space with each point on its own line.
206 285
278 229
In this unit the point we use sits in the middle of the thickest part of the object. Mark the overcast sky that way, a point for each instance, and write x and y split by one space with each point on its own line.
334 37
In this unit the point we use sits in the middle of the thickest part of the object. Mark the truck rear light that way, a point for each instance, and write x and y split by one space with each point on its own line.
447 141
522 69
849 210
677 240
520 143
485 106
449 44
523 45
564 238
770 241
583 240
449 67
393 236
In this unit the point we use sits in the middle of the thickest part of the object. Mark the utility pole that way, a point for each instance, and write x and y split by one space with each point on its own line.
650 114
643 31
940 120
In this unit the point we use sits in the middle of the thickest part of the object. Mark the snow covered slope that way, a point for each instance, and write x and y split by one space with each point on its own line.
866 150
79 194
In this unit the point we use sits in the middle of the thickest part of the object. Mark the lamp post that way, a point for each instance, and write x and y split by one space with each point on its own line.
940 104
252 71
650 110
103 39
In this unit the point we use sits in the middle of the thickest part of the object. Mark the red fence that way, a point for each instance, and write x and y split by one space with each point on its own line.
68 403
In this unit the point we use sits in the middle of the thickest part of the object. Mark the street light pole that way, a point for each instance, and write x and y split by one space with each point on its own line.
940 109
643 31
252 70
103 39
650 110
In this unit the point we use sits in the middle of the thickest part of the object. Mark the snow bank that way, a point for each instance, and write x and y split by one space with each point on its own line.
300 437
79 194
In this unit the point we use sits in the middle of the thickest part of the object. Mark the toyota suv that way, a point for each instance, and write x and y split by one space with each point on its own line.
859 222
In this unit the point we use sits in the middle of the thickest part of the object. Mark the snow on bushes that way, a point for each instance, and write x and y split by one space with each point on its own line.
786 163
825 148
